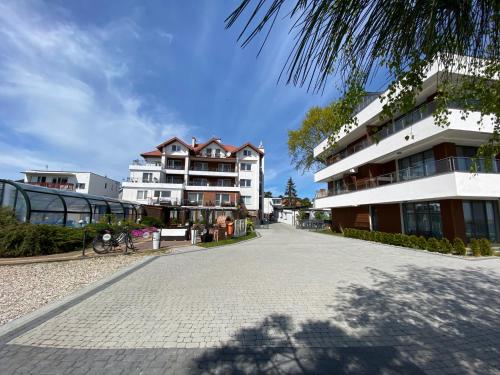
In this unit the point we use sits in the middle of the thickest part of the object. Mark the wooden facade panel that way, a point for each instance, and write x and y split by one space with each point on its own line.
452 219
389 217
351 217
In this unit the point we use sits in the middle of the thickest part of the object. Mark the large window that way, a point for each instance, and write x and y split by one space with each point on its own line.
481 220
147 177
416 166
224 182
195 198
222 199
162 193
142 194
247 199
423 219
246 166
174 164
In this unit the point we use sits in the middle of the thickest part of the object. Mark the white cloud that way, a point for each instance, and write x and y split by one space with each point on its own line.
167 36
70 90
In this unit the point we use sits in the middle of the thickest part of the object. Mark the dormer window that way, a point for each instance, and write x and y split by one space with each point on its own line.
176 148
247 153
208 152
217 152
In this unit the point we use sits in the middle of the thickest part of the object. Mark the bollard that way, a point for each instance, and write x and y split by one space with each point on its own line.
84 240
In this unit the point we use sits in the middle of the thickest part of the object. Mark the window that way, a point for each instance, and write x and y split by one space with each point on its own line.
41 179
246 166
199 182
80 186
481 220
174 179
417 165
196 198
147 177
223 167
247 152
217 152
208 152
423 219
174 164
176 148
247 199
224 182
142 194
200 166
245 183
105 185
162 193
222 199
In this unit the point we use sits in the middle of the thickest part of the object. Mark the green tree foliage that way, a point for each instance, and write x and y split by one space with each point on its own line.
353 40
290 189
268 194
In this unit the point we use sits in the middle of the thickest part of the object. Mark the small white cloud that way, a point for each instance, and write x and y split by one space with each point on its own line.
167 36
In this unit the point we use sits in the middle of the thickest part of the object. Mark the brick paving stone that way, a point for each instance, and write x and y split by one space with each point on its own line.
290 301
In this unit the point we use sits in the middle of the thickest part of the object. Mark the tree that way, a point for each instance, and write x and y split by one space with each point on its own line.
305 202
355 39
290 190
268 194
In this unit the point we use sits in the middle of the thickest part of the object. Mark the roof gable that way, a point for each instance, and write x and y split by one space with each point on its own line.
173 139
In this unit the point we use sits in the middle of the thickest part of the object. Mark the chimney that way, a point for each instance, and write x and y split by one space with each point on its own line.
193 141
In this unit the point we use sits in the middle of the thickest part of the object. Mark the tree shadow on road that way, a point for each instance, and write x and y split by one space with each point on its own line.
416 320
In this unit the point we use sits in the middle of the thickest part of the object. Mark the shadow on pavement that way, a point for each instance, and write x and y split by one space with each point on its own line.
419 320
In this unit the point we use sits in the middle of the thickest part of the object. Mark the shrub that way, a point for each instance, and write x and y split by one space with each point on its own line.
433 244
476 249
445 246
459 247
250 226
7 217
422 243
151 221
413 241
485 247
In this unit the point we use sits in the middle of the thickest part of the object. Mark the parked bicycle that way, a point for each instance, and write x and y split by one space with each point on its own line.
105 242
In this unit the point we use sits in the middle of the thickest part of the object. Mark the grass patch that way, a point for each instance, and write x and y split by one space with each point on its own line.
228 241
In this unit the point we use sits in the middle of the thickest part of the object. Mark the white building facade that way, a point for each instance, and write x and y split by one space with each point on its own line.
409 175
80 182
199 176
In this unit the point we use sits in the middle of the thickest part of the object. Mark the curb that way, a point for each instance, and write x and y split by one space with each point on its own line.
16 327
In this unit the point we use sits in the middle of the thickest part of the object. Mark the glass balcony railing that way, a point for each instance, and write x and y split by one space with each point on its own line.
421 170
423 111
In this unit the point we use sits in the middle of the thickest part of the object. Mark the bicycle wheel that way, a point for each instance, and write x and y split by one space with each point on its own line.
100 246
129 242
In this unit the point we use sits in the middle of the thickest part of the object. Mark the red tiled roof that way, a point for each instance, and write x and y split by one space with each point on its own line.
199 146
173 139
152 153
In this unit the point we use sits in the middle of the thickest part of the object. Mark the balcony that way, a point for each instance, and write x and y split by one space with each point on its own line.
200 203
142 165
160 201
54 185
152 184
207 186
220 171
428 169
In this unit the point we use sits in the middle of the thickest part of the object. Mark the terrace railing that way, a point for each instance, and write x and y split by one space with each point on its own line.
421 170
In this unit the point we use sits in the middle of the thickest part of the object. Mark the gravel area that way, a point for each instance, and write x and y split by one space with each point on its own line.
25 288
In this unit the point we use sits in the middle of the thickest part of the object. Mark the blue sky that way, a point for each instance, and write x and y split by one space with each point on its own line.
89 85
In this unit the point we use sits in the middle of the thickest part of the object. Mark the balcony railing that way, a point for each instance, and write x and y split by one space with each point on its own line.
212 169
145 163
206 183
162 201
424 169
54 185
392 127
151 181
212 155
174 167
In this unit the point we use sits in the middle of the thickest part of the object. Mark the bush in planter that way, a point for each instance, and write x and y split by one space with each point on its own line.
151 221
413 241
485 247
475 247
459 247
433 244
445 246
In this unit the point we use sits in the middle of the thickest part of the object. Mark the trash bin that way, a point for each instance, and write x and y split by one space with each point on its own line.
194 234
156 240
230 228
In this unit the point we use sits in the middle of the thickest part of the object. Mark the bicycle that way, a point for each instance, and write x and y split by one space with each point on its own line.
104 242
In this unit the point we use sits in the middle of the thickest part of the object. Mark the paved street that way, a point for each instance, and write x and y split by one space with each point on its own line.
288 302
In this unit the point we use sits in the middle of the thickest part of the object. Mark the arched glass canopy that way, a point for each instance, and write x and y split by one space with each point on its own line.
40 205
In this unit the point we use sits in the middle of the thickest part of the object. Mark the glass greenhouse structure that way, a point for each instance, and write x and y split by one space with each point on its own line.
40 205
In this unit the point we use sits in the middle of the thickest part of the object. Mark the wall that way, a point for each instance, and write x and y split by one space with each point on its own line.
99 185
389 217
351 217
253 175
287 216
452 219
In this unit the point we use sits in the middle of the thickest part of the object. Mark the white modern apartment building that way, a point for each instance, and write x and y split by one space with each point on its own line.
80 182
198 176
417 178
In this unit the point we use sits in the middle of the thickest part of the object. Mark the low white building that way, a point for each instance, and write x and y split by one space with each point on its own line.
81 182
271 204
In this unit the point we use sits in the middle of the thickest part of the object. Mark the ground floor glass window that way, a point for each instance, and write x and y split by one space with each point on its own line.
423 219
481 220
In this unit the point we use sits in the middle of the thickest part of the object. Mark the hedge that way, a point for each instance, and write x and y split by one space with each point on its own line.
25 239
479 247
